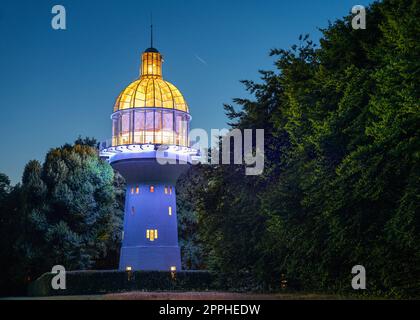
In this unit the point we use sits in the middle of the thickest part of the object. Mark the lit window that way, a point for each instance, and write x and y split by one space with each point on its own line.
151 234
152 189
170 210
128 268
137 189
168 190
173 268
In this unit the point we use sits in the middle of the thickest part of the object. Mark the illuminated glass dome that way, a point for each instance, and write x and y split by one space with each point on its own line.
150 110
151 90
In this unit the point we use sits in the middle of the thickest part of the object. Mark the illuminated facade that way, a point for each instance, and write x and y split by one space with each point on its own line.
150 124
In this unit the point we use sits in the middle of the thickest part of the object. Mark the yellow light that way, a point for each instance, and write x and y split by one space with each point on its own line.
170 210
128 268
152 189
173 268
137 190
150 126
151 234
151 90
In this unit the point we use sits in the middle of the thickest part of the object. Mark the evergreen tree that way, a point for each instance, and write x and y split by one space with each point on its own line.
341 183
67 211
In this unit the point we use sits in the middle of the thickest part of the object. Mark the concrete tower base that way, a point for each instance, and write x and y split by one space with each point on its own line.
161 258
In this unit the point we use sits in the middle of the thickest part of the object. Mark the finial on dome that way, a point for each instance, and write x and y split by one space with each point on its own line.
151 30
151 49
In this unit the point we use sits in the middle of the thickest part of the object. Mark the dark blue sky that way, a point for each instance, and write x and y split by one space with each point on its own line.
56 85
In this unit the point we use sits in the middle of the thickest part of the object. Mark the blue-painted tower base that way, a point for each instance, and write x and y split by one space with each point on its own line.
150 237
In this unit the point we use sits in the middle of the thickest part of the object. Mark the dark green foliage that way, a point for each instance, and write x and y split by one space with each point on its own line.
100 282
95 282
342 170
12 266
67 211
189 241
4 186
90 142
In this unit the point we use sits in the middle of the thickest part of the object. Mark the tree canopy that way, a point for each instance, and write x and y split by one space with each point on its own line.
67 211
342 170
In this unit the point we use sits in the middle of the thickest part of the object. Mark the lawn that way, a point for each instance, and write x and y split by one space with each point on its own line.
193 295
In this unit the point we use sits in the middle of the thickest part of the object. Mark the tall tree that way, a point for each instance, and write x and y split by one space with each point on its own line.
67 211
341 183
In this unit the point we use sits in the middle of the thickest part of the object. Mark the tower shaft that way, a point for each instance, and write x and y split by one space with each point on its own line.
150 240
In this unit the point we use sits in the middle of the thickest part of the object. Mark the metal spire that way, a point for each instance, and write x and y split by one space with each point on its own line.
151 30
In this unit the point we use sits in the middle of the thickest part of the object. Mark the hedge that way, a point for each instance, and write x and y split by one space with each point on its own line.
99 282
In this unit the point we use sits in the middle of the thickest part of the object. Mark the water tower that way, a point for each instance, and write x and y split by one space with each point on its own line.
150 125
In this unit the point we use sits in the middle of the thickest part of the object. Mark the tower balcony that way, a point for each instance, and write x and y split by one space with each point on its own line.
150 126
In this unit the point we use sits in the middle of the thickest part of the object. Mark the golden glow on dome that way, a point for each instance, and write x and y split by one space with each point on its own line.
150 110
151 90
151 64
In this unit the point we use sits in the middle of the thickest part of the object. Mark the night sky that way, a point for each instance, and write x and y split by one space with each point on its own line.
57 85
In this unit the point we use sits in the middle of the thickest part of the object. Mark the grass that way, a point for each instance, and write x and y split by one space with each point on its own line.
193 295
